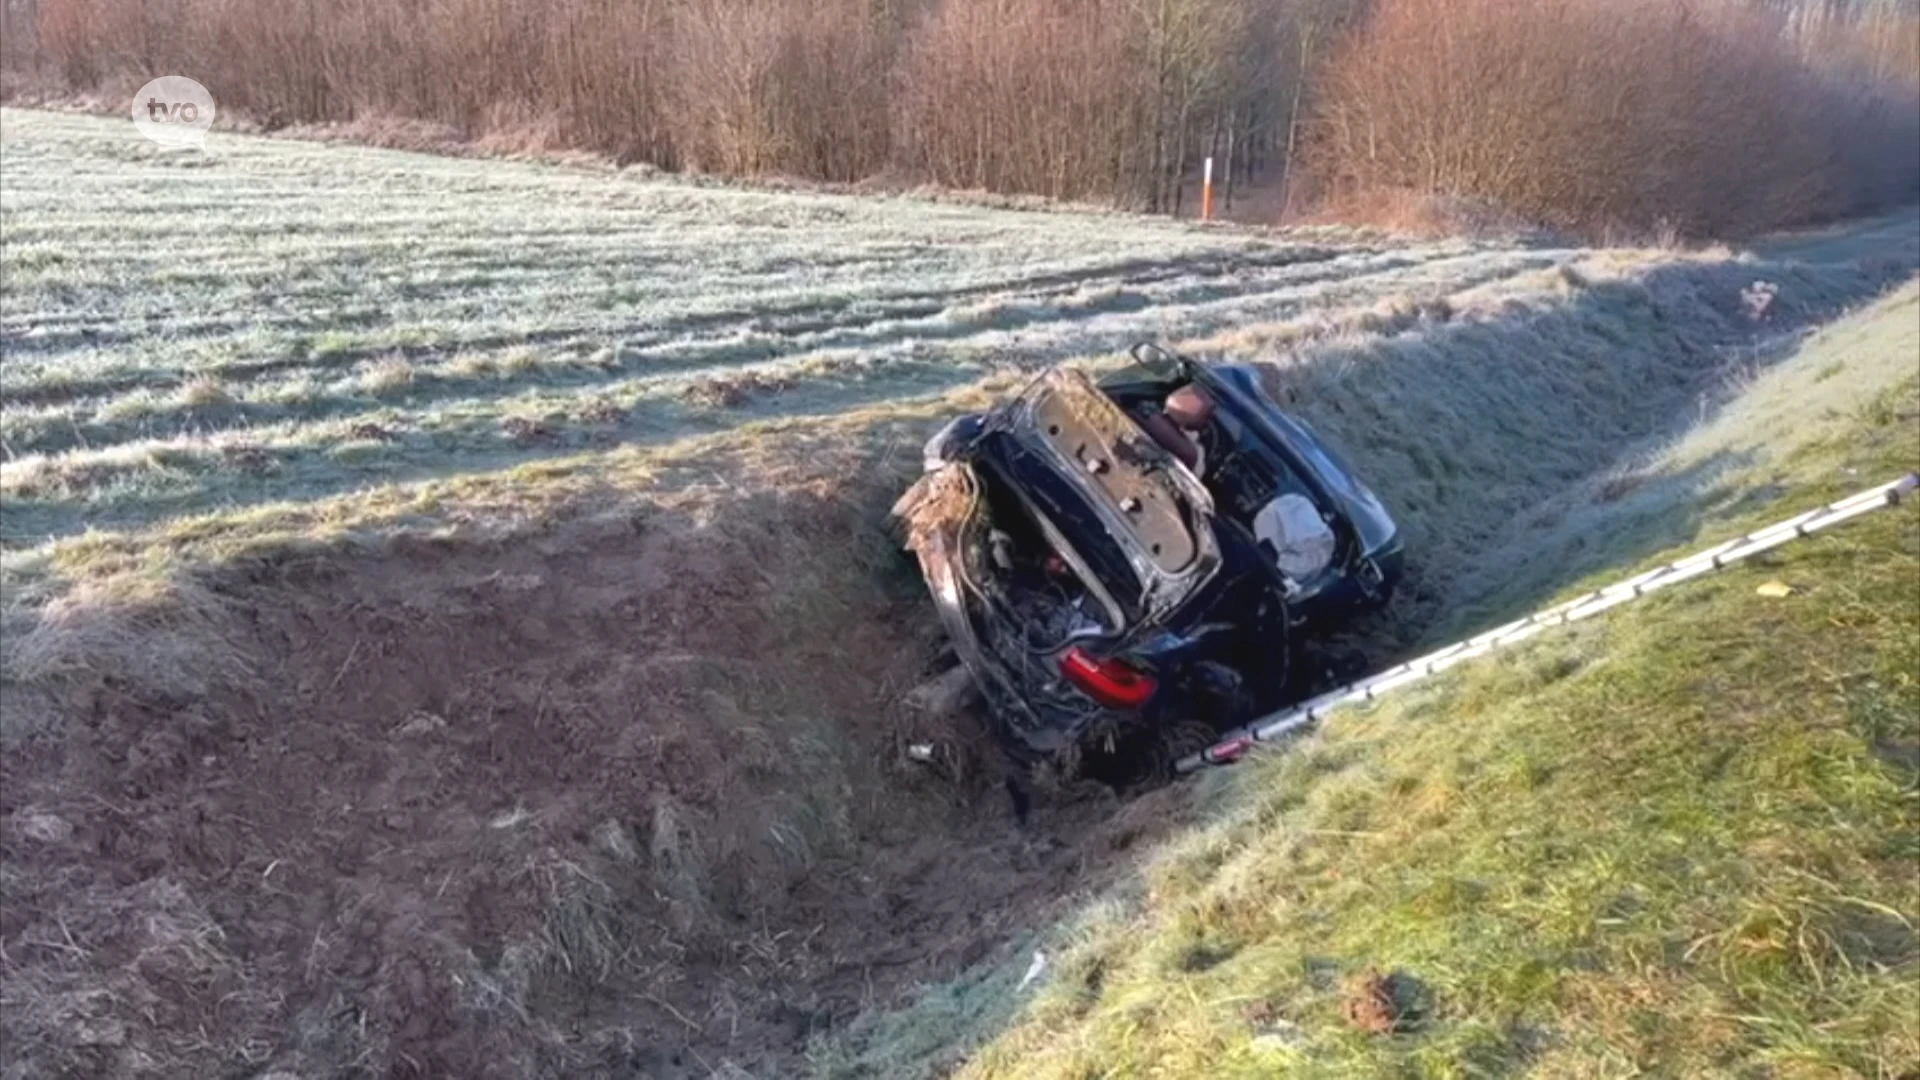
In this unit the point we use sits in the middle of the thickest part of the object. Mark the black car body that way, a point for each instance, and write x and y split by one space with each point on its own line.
1097 587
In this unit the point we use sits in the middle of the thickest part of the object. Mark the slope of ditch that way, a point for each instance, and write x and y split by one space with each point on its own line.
1674 841
624 797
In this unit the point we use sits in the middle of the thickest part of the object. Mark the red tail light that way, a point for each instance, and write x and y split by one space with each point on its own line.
1109 682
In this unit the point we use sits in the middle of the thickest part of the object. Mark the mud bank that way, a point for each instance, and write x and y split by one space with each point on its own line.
625 798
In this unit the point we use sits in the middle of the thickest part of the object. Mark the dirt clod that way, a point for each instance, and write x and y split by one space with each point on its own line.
367 429
45 828
1381 1004
527 431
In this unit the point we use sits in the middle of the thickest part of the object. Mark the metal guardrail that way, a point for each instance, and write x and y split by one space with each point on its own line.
1298 717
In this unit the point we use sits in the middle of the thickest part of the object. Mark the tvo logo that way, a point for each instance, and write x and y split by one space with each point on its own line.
174 111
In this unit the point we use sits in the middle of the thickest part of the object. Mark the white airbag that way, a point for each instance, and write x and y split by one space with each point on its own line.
1302 542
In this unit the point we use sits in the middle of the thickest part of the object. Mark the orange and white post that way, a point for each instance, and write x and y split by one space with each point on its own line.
1206 190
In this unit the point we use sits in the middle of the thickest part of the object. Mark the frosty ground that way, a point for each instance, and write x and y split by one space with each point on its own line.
451 625
282 319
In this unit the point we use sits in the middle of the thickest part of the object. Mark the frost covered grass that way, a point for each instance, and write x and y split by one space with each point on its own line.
281 320
275 323
298 332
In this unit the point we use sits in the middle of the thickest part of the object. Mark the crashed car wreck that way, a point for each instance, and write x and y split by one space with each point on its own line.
1140 557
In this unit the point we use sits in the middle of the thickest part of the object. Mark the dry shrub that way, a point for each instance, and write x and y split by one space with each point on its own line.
769 87
745 86
1707 118
1025 95
1422 214
1110 98
1597 114
1115 99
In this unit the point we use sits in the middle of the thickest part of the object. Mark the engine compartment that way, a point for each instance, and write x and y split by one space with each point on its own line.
1046 599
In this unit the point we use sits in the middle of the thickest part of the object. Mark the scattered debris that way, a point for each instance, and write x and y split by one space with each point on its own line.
1775 589
937 727
1758 298
1034 970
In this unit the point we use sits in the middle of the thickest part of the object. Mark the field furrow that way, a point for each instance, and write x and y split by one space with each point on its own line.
281 320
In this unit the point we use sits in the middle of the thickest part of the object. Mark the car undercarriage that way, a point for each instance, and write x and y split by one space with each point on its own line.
1109 577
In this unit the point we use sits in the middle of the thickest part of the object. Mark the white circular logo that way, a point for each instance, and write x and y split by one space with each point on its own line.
173 110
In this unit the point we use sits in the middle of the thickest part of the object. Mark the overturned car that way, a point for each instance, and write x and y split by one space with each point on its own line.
1143 557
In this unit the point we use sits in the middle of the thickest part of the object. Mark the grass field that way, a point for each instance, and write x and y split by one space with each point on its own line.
450 626
282 319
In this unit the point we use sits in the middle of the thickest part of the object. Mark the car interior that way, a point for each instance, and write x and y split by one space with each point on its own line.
1242 482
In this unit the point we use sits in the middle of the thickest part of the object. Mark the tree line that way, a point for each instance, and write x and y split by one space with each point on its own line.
1709 117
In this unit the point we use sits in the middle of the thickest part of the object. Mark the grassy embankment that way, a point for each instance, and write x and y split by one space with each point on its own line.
1680 839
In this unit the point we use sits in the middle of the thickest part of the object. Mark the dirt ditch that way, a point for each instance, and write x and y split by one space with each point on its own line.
626 800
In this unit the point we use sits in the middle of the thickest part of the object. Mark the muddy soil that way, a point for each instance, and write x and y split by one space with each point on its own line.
622 801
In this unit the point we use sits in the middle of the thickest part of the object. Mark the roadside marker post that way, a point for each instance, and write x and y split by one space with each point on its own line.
1231 746
1206 190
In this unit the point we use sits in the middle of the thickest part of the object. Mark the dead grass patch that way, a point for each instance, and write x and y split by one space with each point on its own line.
735 391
